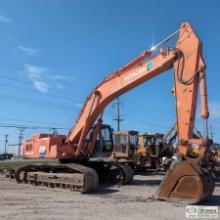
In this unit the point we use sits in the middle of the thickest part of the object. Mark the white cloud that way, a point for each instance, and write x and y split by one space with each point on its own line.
36 74
59 77
34 71
214 108
41 86
29 51
4 19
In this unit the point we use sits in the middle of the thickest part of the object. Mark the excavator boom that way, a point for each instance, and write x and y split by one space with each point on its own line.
188 180
187 61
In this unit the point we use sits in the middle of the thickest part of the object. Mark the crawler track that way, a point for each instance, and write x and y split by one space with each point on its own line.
74 177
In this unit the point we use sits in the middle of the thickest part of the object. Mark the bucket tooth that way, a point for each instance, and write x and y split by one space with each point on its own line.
186 182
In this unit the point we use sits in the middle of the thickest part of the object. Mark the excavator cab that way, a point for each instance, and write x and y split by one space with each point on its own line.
105 143
126 144
149 150
150 142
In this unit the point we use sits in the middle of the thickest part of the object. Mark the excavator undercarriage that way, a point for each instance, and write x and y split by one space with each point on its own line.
83 177
69 176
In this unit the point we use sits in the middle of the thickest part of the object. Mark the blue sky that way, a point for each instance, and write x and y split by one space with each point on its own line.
54 52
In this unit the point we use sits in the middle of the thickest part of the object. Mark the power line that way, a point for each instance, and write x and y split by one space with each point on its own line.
31 121
54 130
143 119
28 83
147 113
6 125
69 83
148 107
27 101
72 84
33 91
46 105
55 96
143 115
140 109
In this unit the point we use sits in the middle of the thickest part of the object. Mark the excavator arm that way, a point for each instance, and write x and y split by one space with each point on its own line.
185 58
187 179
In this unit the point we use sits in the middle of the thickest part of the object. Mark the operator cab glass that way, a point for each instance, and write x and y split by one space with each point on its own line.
151 140
104 145
121 142
134 140
106 139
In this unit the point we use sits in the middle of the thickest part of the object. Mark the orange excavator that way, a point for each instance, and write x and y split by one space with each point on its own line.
187 179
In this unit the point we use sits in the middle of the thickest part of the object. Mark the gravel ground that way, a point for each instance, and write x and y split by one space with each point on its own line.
19 201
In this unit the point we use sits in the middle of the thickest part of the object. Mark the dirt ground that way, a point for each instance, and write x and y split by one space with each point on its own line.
19 201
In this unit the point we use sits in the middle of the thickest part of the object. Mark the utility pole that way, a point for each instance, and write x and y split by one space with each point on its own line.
6 142
54 131
118 118
20 137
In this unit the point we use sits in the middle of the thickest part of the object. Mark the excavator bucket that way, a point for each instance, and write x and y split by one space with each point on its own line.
186 182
